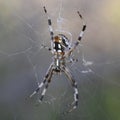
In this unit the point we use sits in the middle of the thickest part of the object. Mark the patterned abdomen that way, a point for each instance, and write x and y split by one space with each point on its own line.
58 47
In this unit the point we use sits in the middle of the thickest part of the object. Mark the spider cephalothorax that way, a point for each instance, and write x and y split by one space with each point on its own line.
61 49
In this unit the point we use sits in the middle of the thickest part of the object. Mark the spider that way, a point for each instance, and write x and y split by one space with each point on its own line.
61 50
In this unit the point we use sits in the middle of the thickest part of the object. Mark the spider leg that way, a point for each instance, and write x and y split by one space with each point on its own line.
80 36
46 86
49 23
47 76
46 47
83 28
74 85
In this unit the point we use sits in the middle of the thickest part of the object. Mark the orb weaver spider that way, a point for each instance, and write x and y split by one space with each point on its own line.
61 50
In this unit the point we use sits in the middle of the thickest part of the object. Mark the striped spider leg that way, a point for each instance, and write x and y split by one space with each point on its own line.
46 81
79 38
74 85
49 23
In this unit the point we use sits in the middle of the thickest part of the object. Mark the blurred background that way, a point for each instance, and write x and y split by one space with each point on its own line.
23 64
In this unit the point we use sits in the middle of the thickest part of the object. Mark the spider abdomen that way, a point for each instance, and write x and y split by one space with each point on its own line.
60 43
58 47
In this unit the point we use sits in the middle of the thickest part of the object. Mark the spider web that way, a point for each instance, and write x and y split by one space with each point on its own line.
24 63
